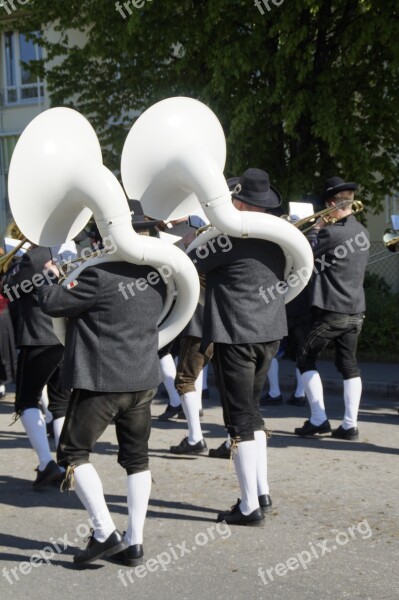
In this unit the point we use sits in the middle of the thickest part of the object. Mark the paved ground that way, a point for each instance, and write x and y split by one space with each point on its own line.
333 533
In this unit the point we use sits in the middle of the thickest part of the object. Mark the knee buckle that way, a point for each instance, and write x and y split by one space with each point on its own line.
68 484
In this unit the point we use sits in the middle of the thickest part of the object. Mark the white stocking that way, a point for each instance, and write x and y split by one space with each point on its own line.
58 425
300 390
198 389
168 369
35 427
190 406
89 490
245 466
44 402
352 395
314 392
272 376
261 462
138 495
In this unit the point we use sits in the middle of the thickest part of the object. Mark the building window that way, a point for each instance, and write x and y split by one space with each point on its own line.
21 86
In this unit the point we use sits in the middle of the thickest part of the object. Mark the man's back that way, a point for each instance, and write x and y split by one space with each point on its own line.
341 255
34 328
235 312
112 336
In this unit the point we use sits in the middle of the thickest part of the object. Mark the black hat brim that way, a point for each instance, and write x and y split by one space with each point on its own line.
273 199
143 225
342 187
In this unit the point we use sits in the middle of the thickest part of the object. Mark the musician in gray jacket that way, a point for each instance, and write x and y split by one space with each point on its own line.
337 308
112 366
39 361
246 332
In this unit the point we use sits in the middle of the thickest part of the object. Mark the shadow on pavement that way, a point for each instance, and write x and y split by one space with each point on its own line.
283 439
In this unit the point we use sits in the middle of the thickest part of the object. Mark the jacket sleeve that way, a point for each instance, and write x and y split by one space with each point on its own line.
323 242
31 263
61 301
213 255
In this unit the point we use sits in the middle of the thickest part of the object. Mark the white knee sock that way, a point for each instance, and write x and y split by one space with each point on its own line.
138 495
300 390
261 462
58 424
198 389
168 369
191 409
314 391
352 395
245 465
35 427
44 402
272 375
89 490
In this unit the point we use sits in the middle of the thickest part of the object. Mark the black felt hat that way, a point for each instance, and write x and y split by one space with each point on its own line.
139 221
334 185
254 188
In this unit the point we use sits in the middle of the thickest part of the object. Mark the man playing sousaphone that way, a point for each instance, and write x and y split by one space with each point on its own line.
246 333
112 367
337 308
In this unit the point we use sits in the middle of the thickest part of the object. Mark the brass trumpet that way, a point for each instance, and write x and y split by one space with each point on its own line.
5 260
357 206
391 239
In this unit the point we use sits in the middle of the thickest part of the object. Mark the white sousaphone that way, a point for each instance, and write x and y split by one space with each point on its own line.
57 180
174 157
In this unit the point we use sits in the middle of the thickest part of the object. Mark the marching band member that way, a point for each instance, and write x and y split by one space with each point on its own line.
39 362
8 359
337 309
112 367
245 332
191 361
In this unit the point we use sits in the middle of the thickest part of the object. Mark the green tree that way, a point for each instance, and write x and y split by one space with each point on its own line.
306 90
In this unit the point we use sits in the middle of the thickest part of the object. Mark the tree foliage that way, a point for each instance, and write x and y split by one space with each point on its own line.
306 90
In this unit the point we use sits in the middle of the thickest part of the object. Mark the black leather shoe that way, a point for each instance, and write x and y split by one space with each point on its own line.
301 401
185 448
345 434
235 517
131 556
171 412
268 400
265 503
51 474
220 452
95 550
310 429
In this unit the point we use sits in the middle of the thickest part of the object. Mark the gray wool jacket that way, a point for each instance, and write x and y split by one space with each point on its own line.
112 336
235 312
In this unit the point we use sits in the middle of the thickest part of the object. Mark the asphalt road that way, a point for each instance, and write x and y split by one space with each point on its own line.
333 533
